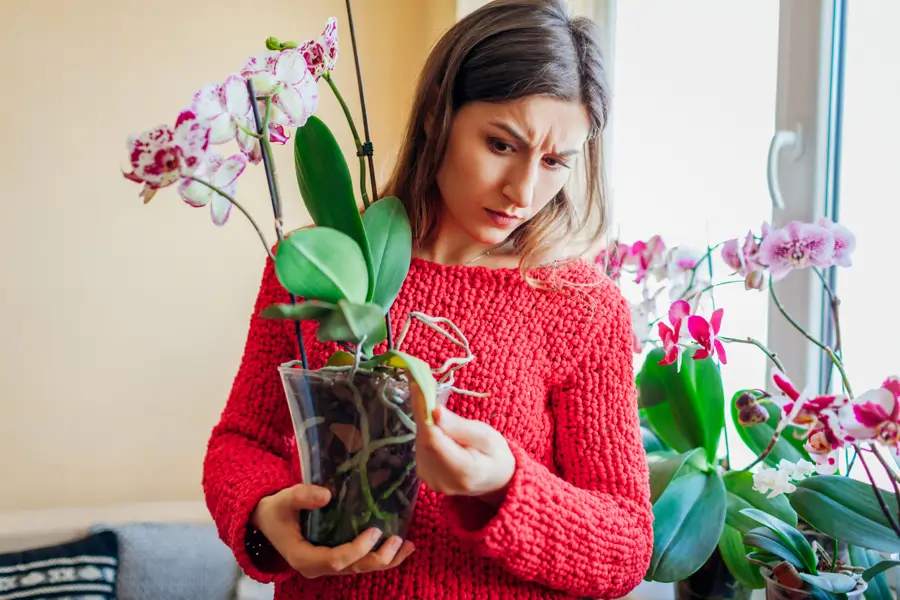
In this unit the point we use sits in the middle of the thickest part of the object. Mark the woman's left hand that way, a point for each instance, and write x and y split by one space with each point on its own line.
461 457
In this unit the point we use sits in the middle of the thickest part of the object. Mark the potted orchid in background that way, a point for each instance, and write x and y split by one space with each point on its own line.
352 417
707 511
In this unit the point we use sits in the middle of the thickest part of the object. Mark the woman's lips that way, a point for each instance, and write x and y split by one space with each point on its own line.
502 219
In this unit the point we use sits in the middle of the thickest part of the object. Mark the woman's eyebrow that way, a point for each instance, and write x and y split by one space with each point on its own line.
519 137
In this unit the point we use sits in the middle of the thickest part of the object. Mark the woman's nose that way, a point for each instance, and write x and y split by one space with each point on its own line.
521 183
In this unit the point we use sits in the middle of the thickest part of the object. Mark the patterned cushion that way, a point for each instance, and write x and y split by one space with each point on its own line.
85 569
173 561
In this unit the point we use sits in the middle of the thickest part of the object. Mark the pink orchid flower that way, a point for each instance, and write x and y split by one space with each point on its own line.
672 336
221 173
796 246
874 415
610 259
705 333
321 55
162 156
844 241
286 78
226 107
646 256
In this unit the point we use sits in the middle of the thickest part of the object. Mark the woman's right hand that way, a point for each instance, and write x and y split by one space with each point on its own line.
277 518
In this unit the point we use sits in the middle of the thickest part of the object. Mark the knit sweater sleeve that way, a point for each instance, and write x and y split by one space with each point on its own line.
585 527
249 452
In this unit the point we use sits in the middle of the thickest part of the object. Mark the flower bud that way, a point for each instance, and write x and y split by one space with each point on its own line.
746 399
272 43
755 280
288 45
752 415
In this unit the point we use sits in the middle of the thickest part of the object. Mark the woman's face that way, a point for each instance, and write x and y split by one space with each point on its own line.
505 161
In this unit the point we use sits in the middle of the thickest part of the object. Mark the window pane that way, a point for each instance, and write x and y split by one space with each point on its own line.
871 128
693 112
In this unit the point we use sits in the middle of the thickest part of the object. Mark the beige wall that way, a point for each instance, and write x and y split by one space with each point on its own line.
121 325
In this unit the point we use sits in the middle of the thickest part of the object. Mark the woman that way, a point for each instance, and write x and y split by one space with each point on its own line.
541 489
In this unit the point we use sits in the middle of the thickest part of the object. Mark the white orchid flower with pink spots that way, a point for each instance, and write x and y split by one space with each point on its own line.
817 415
164 155
796 246
226 107
321 55
874 415
285 77
221 173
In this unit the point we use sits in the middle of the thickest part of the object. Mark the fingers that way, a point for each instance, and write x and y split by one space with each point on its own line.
405 551
315 561
474 434
392 553
304 496
354 557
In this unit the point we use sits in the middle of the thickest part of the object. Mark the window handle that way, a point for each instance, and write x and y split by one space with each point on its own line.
781 140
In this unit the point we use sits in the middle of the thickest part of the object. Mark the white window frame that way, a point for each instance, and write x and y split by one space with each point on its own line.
802 173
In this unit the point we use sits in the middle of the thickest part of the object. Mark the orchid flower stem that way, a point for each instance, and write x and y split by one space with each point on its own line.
878 496
889 471
772 356
265 146
765 452
368 145
240 208
706 256
834 359
248 132
356 140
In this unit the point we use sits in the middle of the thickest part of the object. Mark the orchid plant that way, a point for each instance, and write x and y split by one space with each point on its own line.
344 273
797 433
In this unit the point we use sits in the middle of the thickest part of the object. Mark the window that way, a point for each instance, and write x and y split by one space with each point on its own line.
866 166
693 108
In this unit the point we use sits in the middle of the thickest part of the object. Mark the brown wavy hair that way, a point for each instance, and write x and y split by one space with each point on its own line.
505 50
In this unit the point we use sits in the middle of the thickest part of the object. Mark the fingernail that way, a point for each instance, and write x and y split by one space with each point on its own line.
394 544
374 534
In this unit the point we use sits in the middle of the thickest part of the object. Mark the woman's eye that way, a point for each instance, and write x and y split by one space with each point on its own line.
499 146
555 164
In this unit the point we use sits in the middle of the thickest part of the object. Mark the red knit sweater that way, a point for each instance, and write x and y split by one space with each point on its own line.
577 518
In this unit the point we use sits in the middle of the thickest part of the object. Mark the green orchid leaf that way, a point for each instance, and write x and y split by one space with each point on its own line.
352 323
789 446
687 525
322 264
327 190
685 408
311 310
341 359
741 495
874 575
734 555
379 335
651 441
666 466
830 582
848 510
390 239
771 543
418 370
789 535
878 568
